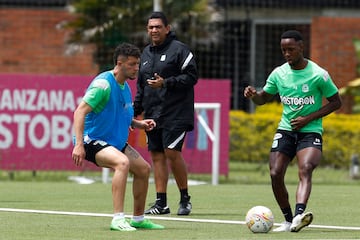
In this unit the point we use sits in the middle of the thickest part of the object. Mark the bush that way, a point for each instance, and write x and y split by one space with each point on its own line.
251 135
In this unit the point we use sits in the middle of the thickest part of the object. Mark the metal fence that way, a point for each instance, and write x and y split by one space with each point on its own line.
243 44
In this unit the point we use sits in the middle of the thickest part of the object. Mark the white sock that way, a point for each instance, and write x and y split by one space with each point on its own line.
138 218
119 215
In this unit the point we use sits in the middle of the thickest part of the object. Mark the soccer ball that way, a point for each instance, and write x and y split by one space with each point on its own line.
259 219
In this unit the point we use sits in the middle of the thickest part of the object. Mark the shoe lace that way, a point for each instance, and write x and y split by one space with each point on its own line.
123 224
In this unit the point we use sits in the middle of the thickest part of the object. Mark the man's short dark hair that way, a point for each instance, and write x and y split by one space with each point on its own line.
292 34
160 15
126 50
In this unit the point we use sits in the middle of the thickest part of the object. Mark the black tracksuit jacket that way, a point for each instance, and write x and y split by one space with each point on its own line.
172 107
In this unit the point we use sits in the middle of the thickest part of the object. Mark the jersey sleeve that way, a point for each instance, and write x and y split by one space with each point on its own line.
270 86
97 94
327 85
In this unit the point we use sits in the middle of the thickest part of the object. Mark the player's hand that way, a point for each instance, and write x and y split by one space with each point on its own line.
146 124
298 123
250 92
150 124
78 154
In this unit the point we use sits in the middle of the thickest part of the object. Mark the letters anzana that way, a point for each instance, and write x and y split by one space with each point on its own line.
39 118
36 100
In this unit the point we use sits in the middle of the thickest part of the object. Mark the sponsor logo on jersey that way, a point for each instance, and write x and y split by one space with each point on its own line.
297 103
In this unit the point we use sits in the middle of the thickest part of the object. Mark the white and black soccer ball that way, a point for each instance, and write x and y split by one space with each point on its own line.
259 219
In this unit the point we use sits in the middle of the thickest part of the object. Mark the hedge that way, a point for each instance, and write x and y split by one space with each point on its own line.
251 135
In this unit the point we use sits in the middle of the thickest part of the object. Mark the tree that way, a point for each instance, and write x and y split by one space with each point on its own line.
106 23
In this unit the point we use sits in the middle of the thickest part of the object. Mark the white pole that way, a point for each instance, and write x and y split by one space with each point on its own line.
157 5
216 147
105 175
214 136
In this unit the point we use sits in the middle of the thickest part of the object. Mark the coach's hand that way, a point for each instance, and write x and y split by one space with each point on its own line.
156 82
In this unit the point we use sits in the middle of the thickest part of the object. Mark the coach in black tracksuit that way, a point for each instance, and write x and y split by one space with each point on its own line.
165 93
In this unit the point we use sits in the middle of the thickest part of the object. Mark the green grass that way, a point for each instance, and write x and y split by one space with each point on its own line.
334 202
247 173
239 173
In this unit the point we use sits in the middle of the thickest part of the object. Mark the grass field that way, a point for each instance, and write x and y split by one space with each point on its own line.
218 211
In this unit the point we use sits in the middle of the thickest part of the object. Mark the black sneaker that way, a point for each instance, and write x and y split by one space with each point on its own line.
157 210
184 207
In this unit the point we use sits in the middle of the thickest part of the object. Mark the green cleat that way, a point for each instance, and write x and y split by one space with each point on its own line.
146 224
121 225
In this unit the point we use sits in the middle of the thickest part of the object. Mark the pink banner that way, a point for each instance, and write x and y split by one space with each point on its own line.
36 123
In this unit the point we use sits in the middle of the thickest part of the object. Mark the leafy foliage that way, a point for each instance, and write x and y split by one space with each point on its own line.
251 134
106 23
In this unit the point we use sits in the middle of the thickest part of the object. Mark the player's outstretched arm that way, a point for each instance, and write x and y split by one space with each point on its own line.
259 98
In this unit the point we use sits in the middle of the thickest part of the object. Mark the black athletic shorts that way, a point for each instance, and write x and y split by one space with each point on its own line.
95 146
289 142
161 138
